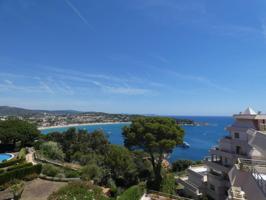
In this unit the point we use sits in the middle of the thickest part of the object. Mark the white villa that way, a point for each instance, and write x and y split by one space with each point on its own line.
236 168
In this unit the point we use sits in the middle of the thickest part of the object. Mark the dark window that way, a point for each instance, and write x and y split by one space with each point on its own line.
225 161
238 148
236 135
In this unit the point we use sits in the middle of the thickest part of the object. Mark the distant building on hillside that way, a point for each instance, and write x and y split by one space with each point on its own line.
237 166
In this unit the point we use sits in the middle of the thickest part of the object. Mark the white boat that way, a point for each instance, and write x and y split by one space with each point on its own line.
184 145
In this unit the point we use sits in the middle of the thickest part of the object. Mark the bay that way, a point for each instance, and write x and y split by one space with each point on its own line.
200 138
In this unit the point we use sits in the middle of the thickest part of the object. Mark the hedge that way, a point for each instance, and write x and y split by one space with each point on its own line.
10 162
20 173
22 165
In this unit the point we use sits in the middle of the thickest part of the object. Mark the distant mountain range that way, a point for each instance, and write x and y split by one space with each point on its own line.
14 111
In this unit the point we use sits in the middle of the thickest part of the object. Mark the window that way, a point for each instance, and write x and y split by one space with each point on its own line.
238 148
225 161
236 135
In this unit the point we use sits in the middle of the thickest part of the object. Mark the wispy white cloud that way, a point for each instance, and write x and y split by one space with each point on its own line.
78 13
236 30
202 80
46 87
69 82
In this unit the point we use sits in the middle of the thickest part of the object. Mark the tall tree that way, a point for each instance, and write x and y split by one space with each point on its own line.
121 164
15 130
158 136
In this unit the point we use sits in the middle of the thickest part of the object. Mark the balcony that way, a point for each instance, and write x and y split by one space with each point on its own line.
226 153
262 127
189 186
217 165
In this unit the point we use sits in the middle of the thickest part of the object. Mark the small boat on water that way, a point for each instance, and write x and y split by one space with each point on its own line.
184 145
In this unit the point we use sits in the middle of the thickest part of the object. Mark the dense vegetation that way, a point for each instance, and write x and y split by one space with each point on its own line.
79 190
148 140
15 131
133 193
109 165
19 173
181 165
157 136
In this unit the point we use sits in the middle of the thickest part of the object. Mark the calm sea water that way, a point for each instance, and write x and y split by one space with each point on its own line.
200 138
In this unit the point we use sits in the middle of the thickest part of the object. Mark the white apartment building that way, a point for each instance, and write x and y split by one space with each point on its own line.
237 165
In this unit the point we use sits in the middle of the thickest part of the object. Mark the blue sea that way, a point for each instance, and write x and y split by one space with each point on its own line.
200 138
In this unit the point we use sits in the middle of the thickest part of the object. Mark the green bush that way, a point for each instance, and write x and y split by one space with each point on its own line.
22 165
181 165
92 172
31 177
133 193
78 190
50 170
71 174
19 173
11 162
168 184
2 171
52 150
22 153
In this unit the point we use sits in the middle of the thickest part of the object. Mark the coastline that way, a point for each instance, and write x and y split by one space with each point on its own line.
78 125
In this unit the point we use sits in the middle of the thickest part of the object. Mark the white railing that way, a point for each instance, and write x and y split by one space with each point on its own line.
250 165
189 185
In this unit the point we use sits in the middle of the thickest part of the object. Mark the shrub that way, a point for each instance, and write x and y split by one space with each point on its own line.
168 184
50 170
78 190
17 189
181 165
19 166
22 154
11 162
71 174
52 150
19 173
92 172
2 171
30 177
133 193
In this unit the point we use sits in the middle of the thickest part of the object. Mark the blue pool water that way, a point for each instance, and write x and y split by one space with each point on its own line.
4 156
200 138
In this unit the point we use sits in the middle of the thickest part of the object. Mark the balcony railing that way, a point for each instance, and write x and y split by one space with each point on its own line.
228 151
262 127
251 166
158 195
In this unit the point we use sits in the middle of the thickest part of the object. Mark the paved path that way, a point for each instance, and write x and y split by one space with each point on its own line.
30 156
39 189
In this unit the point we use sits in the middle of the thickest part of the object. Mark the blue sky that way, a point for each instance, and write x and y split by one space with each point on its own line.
185 57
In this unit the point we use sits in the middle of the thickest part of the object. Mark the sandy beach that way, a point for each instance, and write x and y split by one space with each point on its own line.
86 124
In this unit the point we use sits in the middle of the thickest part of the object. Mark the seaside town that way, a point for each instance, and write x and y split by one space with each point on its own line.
45 119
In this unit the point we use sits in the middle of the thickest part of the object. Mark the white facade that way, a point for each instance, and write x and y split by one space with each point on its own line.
236 167
242 142
195 181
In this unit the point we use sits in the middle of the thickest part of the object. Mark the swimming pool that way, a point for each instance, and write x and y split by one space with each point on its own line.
5 156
